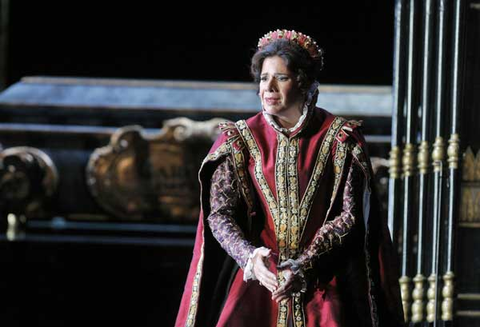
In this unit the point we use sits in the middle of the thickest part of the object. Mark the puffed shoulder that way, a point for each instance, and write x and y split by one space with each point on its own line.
231 134
228 142
349 129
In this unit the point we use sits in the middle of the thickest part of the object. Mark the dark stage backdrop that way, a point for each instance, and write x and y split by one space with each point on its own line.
181 41
102 279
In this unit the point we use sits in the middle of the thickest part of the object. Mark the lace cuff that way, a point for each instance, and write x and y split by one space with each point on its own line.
297 271
248 272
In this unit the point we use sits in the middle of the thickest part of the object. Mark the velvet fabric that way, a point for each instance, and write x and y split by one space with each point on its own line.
355 284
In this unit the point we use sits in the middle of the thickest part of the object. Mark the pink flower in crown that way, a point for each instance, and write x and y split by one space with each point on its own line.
296 37
301 39
275 35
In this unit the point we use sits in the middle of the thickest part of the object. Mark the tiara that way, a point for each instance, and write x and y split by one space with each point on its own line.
301 39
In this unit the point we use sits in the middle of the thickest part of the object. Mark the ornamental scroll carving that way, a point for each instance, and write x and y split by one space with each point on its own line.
141 176
28 180
470 197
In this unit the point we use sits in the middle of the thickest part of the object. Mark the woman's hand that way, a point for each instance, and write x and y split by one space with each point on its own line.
294 282
260 269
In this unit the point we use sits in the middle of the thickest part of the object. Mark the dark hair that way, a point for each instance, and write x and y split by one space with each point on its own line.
297 59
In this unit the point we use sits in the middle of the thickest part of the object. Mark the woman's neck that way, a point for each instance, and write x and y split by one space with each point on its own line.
286 122
289 120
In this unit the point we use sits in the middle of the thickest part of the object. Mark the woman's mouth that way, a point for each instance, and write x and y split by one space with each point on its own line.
272 101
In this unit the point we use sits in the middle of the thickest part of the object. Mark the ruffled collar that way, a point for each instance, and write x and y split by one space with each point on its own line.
309 104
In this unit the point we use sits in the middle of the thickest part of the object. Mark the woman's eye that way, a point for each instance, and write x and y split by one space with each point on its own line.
263 78
282 78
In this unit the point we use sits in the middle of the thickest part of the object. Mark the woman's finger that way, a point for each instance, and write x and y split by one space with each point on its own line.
265 275
285 286
271 285
267 278
289 279
281 298
283 289
262 269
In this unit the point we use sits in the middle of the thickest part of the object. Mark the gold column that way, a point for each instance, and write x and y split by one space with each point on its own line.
453 151
448 292
423 161
405 293
418 305
418 296
408 160
438 154
431 298
395 168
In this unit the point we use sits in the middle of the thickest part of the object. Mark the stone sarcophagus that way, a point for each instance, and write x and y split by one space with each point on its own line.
141 177
108 150
129 151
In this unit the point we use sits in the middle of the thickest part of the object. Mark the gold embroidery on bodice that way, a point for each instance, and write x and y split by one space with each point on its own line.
288 213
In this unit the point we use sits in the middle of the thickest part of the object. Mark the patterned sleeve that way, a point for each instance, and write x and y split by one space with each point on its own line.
332 233
224 196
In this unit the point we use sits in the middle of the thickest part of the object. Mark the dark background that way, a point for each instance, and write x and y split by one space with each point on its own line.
63 283
183 41
84 283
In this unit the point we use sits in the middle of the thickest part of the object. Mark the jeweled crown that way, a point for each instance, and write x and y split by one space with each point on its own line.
301 39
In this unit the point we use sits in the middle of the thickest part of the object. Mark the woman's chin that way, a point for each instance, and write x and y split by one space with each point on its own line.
271 110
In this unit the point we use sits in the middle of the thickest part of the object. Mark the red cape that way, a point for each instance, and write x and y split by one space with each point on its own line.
370 291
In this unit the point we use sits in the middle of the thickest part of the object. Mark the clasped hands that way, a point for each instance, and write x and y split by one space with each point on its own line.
294 281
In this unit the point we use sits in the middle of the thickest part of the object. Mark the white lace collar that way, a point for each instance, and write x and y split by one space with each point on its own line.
311 95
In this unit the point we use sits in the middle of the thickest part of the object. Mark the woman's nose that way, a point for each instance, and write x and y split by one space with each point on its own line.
271 85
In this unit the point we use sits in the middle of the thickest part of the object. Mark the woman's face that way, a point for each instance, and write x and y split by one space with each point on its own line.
279 91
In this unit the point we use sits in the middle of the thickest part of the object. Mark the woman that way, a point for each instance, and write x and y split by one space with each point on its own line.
286 235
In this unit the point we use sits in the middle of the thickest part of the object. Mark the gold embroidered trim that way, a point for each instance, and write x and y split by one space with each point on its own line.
338 166
318 171
287 194
229 129
220 151
360 157
241 172
192 310
293 199
239 163
286 181
280 215
248 139
303 210
289 217
281 224
282 314
339 161
298 310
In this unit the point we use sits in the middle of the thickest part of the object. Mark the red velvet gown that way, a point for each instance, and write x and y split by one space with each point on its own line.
292 190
